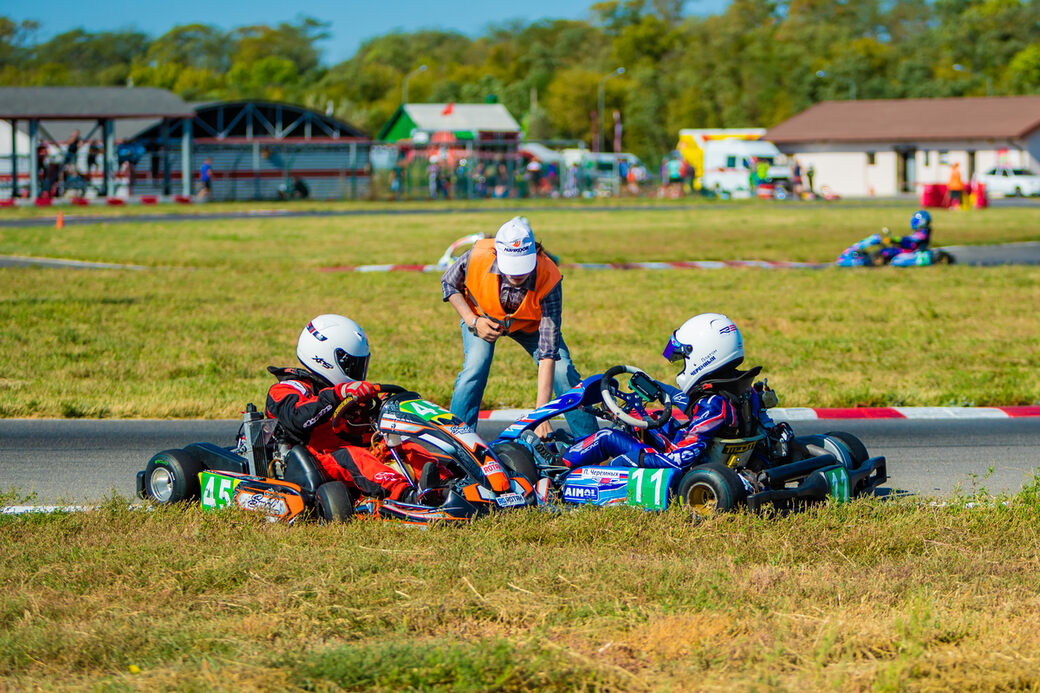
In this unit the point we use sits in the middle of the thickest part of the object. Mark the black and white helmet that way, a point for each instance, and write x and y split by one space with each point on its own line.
334 348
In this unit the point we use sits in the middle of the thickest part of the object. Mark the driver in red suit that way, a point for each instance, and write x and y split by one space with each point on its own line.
334 351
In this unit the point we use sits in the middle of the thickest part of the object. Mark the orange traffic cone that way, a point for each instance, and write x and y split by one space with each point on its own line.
60 223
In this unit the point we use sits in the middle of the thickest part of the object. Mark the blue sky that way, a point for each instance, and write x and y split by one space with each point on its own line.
352 21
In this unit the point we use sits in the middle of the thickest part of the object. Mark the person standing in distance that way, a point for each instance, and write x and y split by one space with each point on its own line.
510 287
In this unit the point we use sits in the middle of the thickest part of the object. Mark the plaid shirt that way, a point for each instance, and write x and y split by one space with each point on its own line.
453 281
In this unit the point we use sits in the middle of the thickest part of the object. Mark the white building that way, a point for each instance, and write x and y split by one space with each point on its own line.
893 146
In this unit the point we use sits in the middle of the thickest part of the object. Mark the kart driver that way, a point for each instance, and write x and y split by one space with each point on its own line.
717 397
334 350
920 232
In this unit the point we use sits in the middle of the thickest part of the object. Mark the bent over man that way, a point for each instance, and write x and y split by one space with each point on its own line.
510 287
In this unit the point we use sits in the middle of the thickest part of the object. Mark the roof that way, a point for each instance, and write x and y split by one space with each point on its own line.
450 117
79 103
898 120
61 130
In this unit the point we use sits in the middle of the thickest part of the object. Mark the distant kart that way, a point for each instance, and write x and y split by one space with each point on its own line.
881 249
765 466
266 472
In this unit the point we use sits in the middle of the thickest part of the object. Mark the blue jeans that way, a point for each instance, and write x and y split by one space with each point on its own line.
469 386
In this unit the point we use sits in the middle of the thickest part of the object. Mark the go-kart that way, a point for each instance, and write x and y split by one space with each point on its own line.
765 464
881 249
269 472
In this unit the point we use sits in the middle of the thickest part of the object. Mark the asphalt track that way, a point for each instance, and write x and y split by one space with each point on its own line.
85 461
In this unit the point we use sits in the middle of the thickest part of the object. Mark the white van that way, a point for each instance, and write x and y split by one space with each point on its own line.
728 163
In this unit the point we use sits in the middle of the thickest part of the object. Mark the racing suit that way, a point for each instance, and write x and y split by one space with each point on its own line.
676 445
916 240
304 406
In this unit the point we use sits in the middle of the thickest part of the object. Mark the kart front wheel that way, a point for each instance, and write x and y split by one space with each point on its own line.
711 488
333 503
172 476
518 460
856 447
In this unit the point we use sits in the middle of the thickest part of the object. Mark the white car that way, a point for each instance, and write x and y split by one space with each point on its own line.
1010 181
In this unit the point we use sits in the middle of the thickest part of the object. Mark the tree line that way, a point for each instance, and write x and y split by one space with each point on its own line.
755 64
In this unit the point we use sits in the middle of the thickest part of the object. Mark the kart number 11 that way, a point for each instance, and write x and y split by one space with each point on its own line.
648 488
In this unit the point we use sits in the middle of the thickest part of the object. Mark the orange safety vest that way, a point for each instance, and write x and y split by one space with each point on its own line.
482 289
955 180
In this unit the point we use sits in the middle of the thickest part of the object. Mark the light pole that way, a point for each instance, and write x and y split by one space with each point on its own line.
822 74
599 110
989 80
404 84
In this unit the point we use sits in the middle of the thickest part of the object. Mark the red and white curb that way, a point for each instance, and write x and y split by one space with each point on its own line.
690 264
813 414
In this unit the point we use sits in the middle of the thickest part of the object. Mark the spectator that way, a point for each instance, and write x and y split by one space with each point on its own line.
206 178
809 174
72 152
955 188
432 174
93 157
796 178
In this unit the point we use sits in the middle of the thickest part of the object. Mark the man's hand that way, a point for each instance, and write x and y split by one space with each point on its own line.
488 329
358 390
543 430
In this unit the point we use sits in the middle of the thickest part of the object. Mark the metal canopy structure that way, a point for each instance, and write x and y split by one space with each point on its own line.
261 150
100 104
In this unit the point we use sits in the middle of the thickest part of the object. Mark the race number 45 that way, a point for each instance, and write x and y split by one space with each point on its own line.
216 490
648 488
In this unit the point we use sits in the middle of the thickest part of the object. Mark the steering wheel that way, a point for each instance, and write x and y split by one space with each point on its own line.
350 409
644 388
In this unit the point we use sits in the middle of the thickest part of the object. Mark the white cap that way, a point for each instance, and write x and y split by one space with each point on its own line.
515 248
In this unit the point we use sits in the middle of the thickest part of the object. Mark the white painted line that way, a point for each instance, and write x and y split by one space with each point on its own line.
951 412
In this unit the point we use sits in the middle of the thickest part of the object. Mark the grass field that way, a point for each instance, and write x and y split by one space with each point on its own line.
191 336
873 595
868 596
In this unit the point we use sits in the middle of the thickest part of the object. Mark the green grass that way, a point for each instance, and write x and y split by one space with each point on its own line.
191 337
871 595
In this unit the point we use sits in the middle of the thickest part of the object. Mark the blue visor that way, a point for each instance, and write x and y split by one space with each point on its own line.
676 350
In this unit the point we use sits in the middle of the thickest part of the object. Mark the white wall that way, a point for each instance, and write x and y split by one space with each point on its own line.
844 168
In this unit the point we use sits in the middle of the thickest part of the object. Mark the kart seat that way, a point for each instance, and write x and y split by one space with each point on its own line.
302 469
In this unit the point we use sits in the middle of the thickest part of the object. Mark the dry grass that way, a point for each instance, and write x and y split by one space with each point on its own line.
867 596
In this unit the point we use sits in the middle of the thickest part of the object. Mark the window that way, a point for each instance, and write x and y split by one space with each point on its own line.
927 158
944 157
871 158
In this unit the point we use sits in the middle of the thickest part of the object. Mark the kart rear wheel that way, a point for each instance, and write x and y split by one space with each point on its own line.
333 503
518 460
172 476
711 488
941 257
854 444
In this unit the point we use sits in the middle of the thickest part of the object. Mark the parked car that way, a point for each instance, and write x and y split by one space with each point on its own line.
1010 182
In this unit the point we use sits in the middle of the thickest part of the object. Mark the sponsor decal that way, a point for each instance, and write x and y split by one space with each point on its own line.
737 448
492 468
261 502
728 328
383 477
317 335
460 430
324 410
322 362
509 500
611 474
580 493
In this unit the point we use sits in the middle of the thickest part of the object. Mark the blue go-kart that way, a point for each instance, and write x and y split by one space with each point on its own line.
762 464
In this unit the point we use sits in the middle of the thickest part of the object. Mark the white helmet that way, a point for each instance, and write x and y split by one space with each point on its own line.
334 348
706 343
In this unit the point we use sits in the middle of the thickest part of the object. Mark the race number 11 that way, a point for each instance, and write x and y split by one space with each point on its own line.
648 488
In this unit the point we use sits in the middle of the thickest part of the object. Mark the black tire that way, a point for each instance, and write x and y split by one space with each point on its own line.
711 488
333 503
518 460
854 444
172 476
942 258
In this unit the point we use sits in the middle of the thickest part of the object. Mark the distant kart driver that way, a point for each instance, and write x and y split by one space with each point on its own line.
920 232
718 398
334 352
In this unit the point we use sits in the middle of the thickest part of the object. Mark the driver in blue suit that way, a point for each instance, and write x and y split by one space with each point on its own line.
718 398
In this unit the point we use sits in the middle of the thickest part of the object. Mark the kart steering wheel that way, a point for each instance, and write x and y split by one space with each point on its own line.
644 388
348 409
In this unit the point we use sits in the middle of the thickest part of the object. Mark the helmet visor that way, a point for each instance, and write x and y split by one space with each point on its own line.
356 367
676 350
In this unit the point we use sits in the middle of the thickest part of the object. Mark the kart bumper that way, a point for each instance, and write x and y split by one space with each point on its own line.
816 484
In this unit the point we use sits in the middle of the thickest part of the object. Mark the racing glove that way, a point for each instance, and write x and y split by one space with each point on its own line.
357 390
